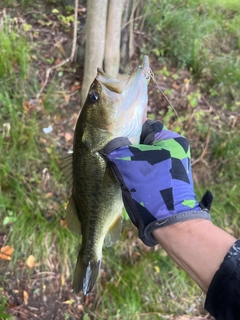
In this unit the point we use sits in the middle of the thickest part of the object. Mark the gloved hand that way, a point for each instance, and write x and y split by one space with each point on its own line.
156 179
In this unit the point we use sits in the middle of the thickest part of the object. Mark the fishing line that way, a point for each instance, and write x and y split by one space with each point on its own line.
154 80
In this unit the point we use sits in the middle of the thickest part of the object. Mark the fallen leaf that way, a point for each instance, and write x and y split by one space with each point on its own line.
25 297
43 140
48 195
175 85
71 301
58 61
26 105
67 97
6 252
63 223
157 269
75 87
31 262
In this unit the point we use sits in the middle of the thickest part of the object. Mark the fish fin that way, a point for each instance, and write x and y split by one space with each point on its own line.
67 168
72 219
114 232
85 275
95 138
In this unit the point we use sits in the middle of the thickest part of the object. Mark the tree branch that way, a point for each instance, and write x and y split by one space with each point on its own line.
204 152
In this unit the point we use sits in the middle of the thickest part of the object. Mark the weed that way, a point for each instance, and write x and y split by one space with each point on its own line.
204 37
124 295
3 306
14 55
26 209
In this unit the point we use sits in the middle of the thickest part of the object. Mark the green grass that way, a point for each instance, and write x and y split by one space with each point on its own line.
201 35
26 151
3 306
225 159
142 285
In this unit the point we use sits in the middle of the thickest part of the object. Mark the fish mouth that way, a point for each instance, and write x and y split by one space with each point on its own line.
109 82
126 101
118 86
142 72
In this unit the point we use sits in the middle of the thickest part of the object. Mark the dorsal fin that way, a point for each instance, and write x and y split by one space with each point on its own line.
67 169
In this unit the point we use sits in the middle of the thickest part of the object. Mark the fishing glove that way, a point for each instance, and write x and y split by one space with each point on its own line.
156 180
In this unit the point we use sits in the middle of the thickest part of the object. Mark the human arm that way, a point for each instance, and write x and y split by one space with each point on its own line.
197 246
212 258
179 223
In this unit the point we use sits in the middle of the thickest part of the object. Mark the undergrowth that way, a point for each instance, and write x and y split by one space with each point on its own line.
203 36
28 210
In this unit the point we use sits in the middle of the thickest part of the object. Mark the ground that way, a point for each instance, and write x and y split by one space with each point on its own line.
35 294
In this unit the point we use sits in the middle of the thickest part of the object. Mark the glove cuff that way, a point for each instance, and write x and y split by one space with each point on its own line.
184 216
115 144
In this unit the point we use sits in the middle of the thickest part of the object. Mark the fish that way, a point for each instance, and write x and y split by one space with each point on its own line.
112 109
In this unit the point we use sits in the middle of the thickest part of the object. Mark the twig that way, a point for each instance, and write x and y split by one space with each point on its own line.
16 310
49 70
74 30
211 109
204 151
133 20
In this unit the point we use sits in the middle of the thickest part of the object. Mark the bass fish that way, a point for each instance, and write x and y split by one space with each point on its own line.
112 109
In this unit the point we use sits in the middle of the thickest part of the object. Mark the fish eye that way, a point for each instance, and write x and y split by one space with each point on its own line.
93 95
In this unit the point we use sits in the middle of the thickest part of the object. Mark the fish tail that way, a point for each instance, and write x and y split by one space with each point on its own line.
85 274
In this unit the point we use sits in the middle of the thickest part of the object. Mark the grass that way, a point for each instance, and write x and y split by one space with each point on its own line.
136 283
25 206
202 36
145 285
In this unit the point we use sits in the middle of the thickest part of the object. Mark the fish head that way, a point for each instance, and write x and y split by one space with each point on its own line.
115 108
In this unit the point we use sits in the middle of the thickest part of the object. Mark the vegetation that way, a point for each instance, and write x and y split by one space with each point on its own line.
203 36
136 282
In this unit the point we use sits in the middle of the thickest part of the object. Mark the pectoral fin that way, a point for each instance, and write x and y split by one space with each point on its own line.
72 219
113 232
95 138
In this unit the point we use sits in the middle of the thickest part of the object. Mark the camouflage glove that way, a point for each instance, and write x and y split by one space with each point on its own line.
156 179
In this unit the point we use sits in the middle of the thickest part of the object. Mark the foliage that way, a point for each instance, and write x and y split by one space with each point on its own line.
25 206
3 306
142 285
14 53
203 36
225 156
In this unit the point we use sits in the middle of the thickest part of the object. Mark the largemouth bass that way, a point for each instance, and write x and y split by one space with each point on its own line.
113 108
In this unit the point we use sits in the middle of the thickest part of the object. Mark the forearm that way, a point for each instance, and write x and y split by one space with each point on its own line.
197 246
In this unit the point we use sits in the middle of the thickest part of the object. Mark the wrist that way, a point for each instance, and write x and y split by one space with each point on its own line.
197 246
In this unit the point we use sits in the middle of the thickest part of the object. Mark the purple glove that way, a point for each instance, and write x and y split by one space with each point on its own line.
156 179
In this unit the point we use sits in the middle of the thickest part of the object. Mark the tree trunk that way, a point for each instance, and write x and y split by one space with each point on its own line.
113 37
95 42
126 43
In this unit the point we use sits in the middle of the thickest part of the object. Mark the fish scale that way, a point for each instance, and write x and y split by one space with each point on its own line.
112 109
